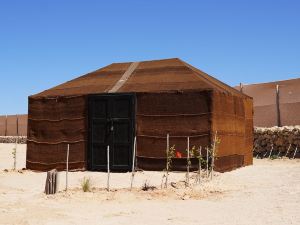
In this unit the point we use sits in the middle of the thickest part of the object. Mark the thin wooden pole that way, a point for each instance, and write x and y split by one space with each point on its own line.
188 161
213 155
67 167
295 152
278 153
207 175
265 154
200 157
271 151
133 163
287 151
167 153
241 87
108 169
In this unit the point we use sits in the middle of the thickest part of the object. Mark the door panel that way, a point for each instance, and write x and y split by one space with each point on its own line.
99 155
121 108
111 121
122 132
120 157
99 131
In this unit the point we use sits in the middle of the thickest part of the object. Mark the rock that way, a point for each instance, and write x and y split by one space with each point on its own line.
278 137
13 139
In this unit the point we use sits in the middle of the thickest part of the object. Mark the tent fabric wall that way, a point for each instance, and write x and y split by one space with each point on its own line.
179 114
232 120
52 124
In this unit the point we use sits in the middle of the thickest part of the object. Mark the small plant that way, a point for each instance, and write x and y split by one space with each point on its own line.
86 184
213 152
170 154
14 153
272 157
146 186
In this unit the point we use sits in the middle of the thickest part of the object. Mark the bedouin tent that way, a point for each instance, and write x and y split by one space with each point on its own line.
149 100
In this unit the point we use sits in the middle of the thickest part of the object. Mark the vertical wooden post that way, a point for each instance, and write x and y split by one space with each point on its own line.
200 157
295 152
108 169
133 163
278 106
207 159
167 153
271 151
287 151
278 153
241 87
213 155
188 162
51 182
67 167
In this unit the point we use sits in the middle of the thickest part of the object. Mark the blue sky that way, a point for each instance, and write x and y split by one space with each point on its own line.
44 43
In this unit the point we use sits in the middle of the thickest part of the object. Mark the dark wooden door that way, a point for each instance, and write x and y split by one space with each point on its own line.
111 122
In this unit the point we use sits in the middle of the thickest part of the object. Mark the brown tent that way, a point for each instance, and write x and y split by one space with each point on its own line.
148 100
275 103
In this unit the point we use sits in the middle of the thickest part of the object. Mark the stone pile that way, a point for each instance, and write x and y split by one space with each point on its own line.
277 139
13 139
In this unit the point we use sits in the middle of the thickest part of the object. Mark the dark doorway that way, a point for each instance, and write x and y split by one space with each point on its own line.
111 122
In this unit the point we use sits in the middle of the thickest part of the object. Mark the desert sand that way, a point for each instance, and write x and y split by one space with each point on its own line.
266 193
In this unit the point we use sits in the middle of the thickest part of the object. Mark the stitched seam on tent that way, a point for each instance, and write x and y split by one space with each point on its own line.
124 77
55 143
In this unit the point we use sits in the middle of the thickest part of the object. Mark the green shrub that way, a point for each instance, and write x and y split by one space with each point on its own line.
86 184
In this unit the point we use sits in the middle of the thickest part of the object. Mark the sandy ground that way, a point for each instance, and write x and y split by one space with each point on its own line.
266 193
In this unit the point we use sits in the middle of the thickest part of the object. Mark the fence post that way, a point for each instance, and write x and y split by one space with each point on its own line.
295 152
271 151
188 162
108 169
213 155
207 158
67 166
133 163
167 167
287 151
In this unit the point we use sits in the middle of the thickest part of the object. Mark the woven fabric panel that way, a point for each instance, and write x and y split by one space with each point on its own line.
52 124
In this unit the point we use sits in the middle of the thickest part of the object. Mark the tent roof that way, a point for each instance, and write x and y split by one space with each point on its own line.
148 76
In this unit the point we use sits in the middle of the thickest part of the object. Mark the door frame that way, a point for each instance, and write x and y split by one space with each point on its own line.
90 98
